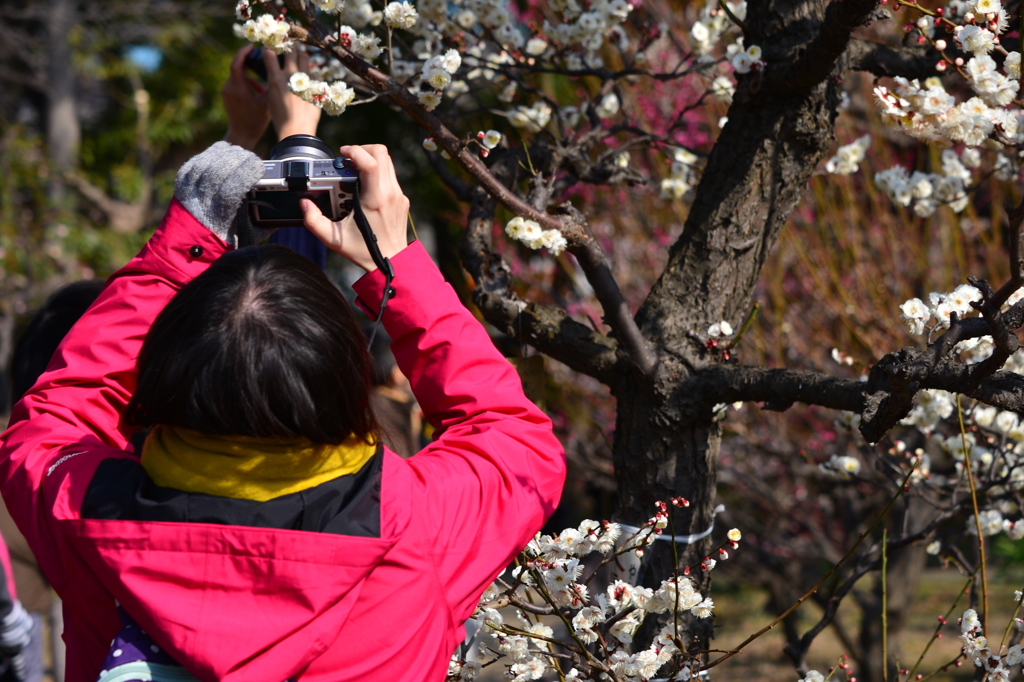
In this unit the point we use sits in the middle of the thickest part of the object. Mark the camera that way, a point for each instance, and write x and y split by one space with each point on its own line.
302 167
254 62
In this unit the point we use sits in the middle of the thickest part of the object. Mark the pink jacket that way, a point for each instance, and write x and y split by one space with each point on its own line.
258 605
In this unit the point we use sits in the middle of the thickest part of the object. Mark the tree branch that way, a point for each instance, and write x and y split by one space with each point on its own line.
881 401
819 57
778 389
581 243
884 60
549 330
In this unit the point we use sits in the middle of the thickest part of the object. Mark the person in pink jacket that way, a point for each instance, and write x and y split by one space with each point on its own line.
262 534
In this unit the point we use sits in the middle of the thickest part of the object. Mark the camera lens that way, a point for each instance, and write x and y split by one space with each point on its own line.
301 145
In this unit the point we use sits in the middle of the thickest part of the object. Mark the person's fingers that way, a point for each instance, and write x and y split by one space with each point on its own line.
303 62
291 62
270 61
314 219
238 63
256 86
377 177
364 161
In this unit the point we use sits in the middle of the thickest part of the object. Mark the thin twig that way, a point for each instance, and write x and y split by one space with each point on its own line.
977 515
825 577
746 324
885 608
942 622
1009 626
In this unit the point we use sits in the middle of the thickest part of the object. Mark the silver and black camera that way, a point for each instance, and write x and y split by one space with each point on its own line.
302 167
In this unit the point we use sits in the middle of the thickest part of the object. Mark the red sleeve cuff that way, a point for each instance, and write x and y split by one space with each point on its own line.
412 266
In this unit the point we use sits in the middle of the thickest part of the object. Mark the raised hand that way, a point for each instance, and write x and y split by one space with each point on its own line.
385 205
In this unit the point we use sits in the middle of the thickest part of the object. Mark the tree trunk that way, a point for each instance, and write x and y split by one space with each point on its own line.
657 460
666 443
63 132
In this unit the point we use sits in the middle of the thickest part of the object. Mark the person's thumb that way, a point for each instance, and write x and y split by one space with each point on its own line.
314 219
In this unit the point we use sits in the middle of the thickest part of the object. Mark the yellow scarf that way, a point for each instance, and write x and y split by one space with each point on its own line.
246 468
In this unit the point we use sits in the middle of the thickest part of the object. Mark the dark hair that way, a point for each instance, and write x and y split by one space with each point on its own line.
381 355
47 329
261 344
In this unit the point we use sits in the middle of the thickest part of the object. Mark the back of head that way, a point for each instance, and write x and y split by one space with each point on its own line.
47 329
261 344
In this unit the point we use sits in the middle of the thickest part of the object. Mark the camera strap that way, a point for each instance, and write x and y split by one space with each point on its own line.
383 264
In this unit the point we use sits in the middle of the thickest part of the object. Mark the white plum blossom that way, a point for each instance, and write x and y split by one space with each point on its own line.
299 82
530 233
1012 65
265 29
608 106
974 39
840 467
429 100
914 314
931 406
719 329
624 628
536 46
531 669
533 119
813 676
713 23
367 46
491 139
329 6
747 60
991 523
848 157
400 15
337 98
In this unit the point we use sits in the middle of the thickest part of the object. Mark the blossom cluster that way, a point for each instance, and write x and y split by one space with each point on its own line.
848 157
975 647
930 190
713 24
993 522
744 59
550 571
529 232
333 98
682 174
532 118
269 31
987 118
929 113
915 313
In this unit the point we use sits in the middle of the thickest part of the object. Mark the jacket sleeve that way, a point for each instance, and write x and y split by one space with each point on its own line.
73 414
494 474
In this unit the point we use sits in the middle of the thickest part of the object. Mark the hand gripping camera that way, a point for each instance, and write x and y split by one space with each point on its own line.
302 167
